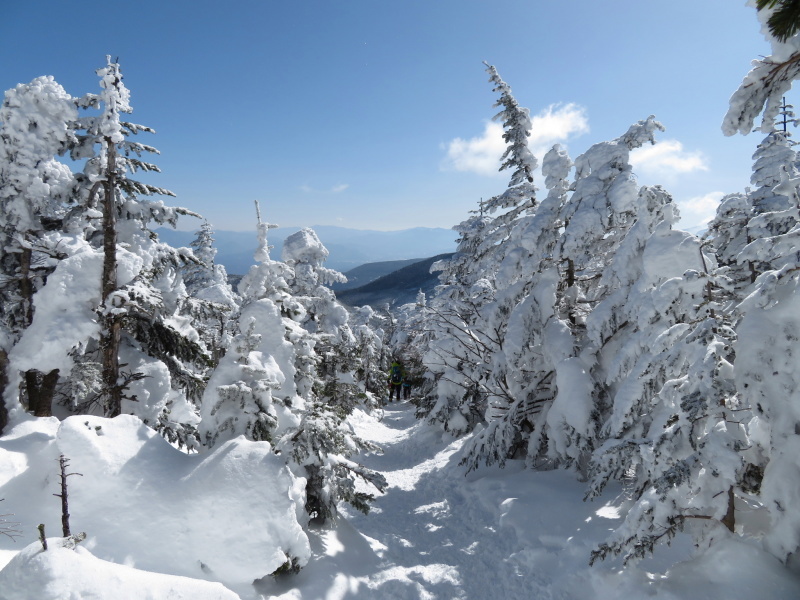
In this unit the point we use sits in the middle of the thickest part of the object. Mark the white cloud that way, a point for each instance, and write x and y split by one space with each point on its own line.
479 155
667 157
336 189
557 123
482 154
696 212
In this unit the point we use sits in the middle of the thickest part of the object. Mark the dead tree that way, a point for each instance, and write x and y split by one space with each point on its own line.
63 462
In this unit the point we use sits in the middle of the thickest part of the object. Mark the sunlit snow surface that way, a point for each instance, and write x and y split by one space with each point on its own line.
501 534
436 534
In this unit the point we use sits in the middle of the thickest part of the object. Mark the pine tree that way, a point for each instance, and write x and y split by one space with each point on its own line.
211 300
677 427
784 19
516 425
367 327
763 88
35 127
321 445
766 375
137 288
455 401
467 315
596 218
256 389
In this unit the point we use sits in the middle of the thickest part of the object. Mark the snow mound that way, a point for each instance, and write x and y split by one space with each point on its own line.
230 515
63 573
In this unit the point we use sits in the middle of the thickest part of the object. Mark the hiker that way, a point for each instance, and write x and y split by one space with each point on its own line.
396 376
406 387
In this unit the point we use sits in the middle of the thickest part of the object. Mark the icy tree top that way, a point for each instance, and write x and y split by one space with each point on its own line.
34 126
304 247
555 166
116 97
617 152
516 131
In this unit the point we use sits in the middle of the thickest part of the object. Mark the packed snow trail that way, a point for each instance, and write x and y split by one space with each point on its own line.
500 534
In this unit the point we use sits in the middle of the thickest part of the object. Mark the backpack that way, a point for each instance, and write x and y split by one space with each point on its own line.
397 375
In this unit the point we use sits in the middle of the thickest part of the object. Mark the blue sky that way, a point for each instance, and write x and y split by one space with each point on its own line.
375 114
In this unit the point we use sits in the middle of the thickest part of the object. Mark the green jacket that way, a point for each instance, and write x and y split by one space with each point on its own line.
402 373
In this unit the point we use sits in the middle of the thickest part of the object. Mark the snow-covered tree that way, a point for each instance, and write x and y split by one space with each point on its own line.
766 378
36 122
596 219
771 77
465 313
115 295
677 431
764 212
255 390
601 209
321 445
368 328
211 299
517 423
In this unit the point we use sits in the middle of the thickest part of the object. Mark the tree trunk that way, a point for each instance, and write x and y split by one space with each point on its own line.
109 342
65 530
41 389
570 283
729 520
26 286
3 386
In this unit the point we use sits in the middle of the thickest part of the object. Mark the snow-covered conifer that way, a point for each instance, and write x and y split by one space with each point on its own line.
763 88
137 291
517 156
254 389
35 126
368 329
676 430
467 316
211 299
596 219
320 446
517 424
767 380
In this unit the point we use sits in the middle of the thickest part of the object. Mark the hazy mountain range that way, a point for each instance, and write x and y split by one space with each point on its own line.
395 288
349 248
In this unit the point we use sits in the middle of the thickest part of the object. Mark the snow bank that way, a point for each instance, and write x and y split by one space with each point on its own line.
230 515
509 533
62 573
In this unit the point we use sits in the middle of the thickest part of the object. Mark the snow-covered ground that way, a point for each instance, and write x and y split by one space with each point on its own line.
435 534
509 534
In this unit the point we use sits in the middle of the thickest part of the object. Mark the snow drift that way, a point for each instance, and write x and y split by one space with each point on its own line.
225 515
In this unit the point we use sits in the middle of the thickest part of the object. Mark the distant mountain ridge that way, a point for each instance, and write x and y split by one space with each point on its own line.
397 288
349 248
369 272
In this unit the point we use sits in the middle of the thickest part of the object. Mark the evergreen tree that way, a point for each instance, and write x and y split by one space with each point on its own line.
456 401
35 127
257 388
211 300
137 291
784 20
517 424
676 429
368 329
321 445
466 333
763 88
766 376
